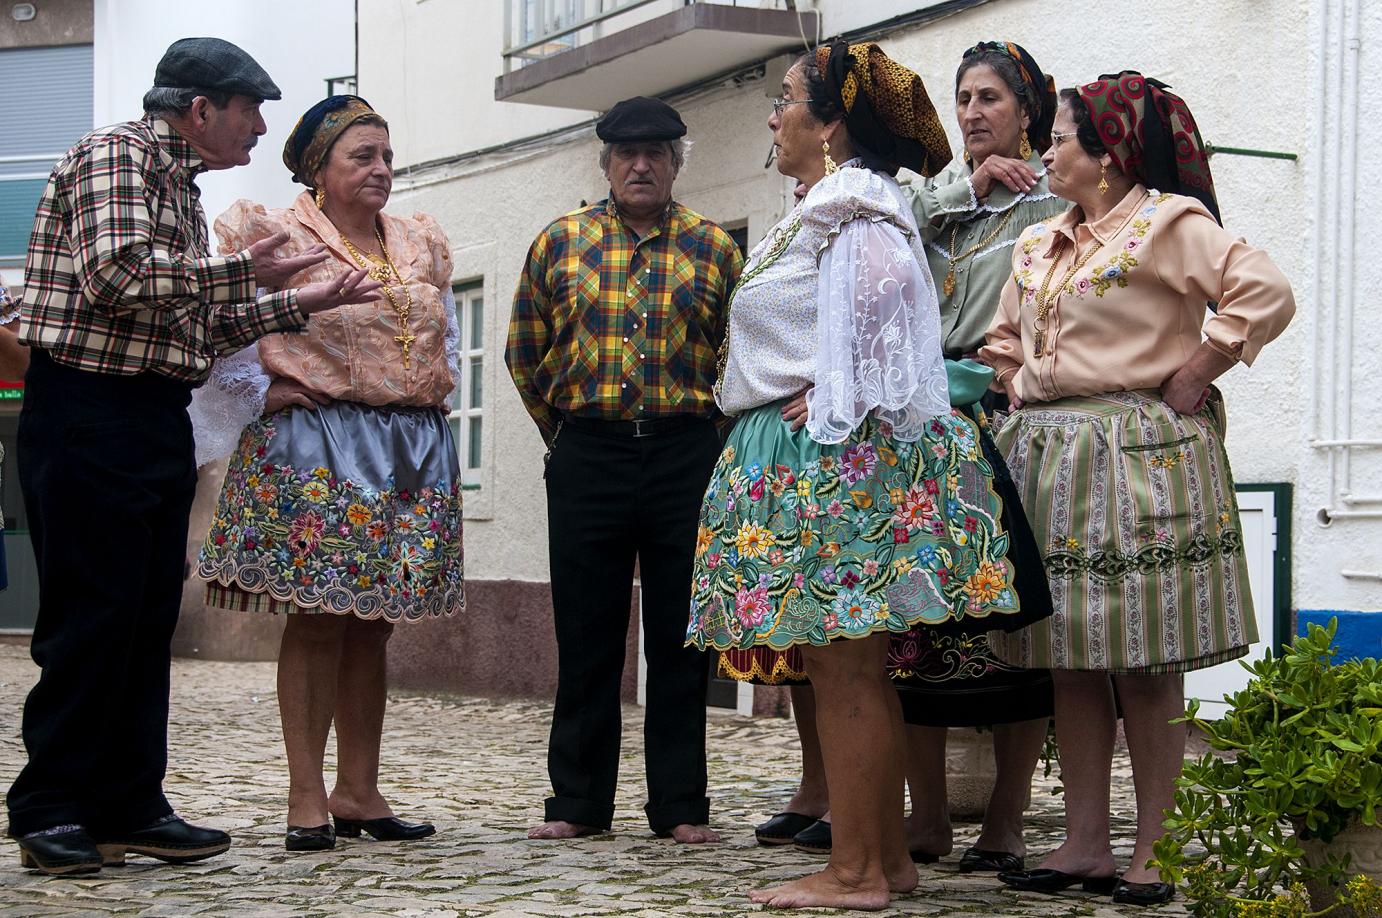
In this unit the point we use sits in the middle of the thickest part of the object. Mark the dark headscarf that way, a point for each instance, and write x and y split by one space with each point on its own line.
317 130
1151 135
1042 86
886 106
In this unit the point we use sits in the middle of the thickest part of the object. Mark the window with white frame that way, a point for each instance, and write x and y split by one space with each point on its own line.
467 406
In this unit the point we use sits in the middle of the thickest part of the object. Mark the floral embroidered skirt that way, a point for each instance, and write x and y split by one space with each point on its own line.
803 542
347 508
947 675
1133 507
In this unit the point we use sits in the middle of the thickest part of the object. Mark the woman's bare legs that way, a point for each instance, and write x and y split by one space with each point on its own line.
928 826
862 742
812 797
1085 723
361 691
308 662
1016 748
1157 749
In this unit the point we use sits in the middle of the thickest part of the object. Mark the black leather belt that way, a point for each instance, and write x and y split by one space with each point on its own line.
646 427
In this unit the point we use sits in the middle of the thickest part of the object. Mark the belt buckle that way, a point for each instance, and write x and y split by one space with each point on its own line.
638 429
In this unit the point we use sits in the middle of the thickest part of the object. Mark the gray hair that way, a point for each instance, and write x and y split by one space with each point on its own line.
681 149
175 101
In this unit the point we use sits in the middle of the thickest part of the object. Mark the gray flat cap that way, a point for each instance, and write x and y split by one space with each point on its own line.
213 63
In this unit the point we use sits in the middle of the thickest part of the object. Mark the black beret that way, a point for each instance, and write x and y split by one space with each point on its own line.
640 119
213 63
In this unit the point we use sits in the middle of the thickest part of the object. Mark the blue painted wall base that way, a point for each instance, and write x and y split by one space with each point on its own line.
1359 634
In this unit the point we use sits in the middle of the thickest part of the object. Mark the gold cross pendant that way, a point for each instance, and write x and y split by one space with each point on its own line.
407 342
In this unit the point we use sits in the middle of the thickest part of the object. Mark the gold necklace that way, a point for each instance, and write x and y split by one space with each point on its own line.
384 270
949 285
1046 297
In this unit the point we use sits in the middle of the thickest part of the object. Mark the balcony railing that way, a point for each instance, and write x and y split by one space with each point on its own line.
537 29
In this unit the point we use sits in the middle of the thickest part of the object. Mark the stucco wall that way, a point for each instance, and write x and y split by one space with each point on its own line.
493 207
56 22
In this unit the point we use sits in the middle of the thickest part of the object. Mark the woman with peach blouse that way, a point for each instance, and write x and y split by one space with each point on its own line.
341 506
1116 442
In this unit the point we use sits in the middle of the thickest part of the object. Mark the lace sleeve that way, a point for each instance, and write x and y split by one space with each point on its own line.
232 398
877 335
452 342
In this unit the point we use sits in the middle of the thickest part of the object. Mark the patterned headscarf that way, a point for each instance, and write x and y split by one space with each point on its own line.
1042 85
1151 135
886 106
317 130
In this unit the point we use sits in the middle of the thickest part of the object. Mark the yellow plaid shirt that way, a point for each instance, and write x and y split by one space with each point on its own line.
611 326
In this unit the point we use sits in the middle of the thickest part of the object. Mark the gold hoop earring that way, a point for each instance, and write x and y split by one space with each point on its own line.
1024 147
320 197
830 166
1103 178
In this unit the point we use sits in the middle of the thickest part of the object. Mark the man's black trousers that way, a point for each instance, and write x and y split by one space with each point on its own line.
613 498
107 471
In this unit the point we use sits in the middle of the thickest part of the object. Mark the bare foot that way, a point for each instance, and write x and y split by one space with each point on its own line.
901 874
824 890
929 837
687 834
559 828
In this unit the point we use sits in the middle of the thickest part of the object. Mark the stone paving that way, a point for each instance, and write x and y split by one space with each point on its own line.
476 767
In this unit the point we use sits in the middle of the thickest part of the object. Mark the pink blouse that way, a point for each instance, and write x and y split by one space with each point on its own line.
1135 311
350 353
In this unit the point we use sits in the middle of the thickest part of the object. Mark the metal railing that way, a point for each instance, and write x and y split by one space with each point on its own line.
536 29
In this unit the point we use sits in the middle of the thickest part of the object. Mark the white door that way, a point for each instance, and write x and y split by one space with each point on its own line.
1258 511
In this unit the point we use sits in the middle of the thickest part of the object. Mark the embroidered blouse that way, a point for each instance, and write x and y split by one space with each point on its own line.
837 298
351 353
1136 310
952 219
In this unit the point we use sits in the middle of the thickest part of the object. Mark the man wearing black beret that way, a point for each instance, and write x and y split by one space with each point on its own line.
618 316
124 310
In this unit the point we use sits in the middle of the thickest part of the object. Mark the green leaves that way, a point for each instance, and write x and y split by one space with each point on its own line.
1298 755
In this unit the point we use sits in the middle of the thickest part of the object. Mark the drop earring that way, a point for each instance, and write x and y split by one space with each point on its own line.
830 166
320 198
1103 178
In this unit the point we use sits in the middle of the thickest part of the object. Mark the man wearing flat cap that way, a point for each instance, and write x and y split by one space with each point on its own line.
124 310
618 316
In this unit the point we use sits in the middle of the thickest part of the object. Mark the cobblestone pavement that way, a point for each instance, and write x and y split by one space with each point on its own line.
476 768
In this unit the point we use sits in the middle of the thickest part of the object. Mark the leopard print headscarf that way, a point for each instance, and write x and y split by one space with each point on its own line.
886 106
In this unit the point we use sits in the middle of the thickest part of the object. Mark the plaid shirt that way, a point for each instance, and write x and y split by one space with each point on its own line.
119 278
611 326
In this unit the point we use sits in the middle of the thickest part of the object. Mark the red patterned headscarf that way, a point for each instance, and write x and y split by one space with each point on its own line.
1151 135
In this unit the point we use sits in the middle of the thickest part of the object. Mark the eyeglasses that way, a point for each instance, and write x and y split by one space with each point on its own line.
779 104
1056 138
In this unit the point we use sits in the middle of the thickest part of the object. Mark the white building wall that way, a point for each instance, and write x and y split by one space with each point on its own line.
301 44
1248 70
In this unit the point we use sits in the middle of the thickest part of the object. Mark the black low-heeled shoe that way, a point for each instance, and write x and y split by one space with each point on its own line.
57 854
814 839
387 828
1128 893
310 838
1045 880
782 828
981 859
172 840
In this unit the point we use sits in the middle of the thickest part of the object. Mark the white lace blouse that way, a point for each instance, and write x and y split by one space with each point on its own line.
837 299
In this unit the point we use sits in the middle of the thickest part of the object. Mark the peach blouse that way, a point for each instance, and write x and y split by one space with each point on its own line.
350 353
1136 309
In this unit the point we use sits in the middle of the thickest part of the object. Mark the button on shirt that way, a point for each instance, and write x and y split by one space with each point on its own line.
119 276
609 325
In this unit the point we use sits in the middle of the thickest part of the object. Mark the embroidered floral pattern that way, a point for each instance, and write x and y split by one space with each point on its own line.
873 535
1160 553
307 537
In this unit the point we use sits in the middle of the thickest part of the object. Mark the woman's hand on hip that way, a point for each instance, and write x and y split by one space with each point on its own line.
284 392
1013 174
794 412
1184 392
1014 400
